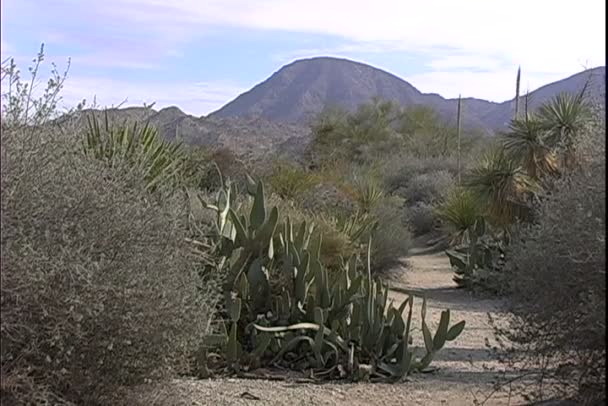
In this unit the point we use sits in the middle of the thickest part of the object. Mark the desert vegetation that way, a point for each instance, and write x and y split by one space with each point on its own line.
128 258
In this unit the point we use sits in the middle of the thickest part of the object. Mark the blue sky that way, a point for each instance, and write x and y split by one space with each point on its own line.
200 54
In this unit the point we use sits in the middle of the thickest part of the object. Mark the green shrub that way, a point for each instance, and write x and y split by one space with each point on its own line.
97 291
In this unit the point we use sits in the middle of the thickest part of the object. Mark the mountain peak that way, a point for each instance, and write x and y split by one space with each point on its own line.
303 88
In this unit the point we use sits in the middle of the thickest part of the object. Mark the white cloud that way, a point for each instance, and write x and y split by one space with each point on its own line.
192 98
538 34
550 39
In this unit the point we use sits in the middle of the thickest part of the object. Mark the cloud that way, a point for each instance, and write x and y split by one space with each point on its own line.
198 98
537 34
471 47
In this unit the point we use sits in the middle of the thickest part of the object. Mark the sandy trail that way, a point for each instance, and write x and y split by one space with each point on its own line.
466 370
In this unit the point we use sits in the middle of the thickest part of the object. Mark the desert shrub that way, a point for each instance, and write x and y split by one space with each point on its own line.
429 187
422 218
336 243
392 238
291 182
97 291
558 284
329 197
399 170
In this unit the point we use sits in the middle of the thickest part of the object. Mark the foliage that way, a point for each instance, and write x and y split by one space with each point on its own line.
138 147
400 170
291 182
368 193
97 291
564 118
502 188
526 144
557 280
478 261
422 218
392 238
430 187
459 213
344 327
20 108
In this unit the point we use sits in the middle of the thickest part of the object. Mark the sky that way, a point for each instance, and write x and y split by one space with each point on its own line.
200 54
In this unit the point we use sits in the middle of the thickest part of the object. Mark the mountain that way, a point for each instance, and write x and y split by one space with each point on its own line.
272 118
300 90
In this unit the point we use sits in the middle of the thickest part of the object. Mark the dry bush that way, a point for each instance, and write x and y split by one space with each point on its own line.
96 290
400 170
392 238
422 218
429 187
558 281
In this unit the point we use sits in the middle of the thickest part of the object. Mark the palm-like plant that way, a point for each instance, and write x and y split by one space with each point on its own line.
525 144
564 117
502 187
138 147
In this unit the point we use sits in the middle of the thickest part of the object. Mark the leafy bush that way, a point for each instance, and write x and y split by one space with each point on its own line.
557 271
96 289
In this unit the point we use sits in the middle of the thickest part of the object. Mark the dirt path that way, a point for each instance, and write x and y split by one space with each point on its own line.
466 369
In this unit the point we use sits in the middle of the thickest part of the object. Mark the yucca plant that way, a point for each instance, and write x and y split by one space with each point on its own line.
290 182
137 146
525 143
503 187
459 212
368 193
564 118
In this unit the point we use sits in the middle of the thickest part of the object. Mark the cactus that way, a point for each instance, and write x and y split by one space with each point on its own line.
332 326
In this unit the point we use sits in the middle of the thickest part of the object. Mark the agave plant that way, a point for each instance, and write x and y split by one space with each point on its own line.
137 146
333 327
503 187
525 144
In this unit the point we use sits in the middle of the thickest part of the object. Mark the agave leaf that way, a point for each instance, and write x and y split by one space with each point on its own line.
455 331
442 330
428 339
